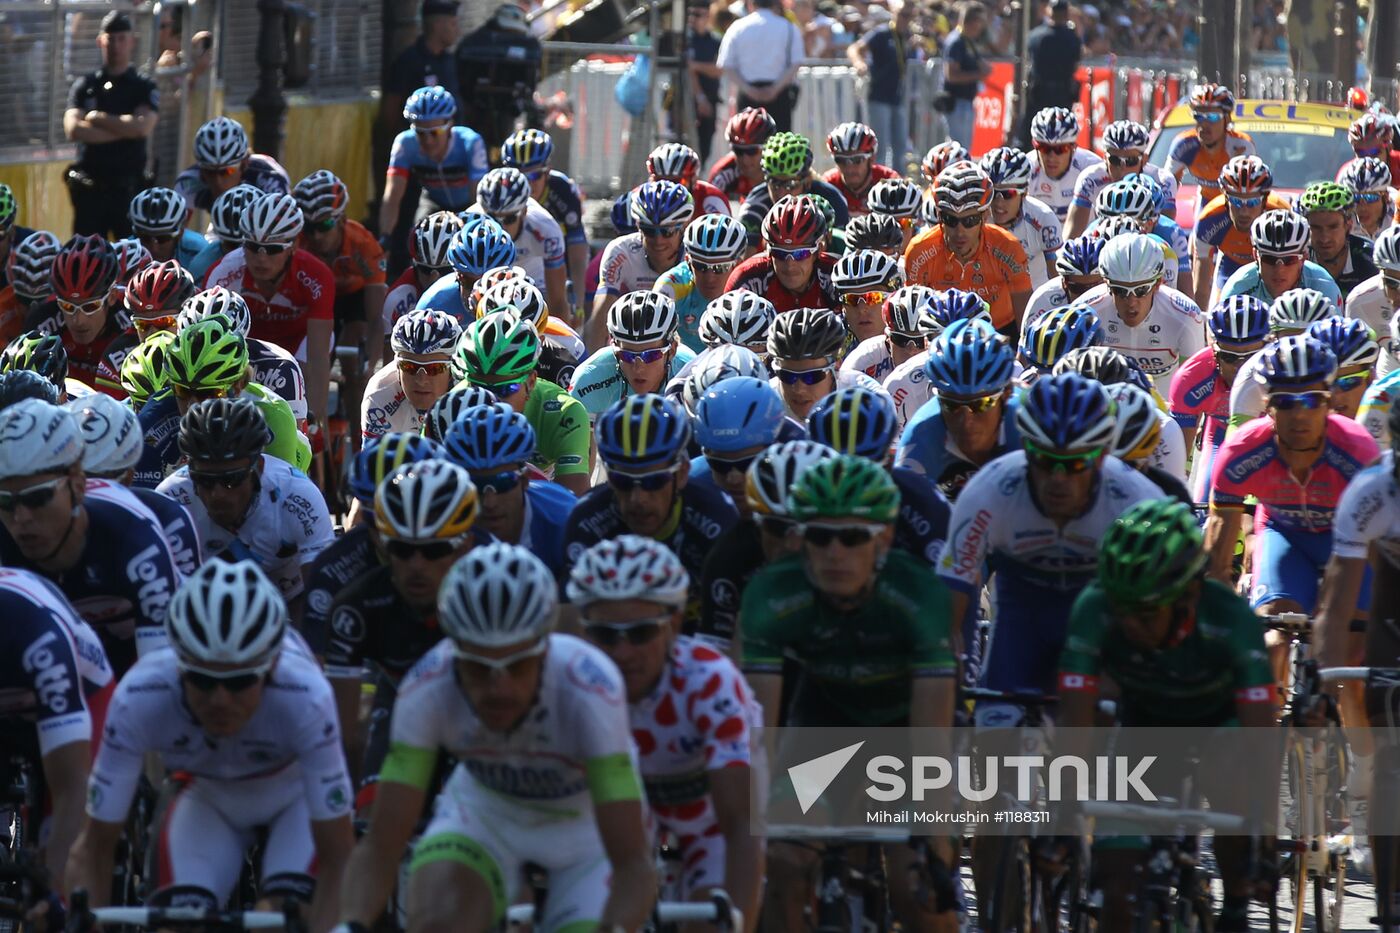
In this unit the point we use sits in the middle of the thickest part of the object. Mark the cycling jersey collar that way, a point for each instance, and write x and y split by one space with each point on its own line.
668 528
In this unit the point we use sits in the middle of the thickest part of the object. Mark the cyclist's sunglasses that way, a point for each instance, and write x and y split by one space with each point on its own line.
502 390
974 405
82 307
850 159
1306 401
428 550
31 497
865 298
713 268
266 249
746 150
1347 383
411 368
648 482
905 341
722 465
1055 148
850 536
1267 260
233 681
156 239
1124 161
1369 197
219 171
1132 291
190 393
432 130
953 220
654 355
1231 356
1051 462
1208 116
635 633
660 233
785 184
497 483
1237 201
476 667
325 225
800 254
809 377
1007 194
1390 282
229 479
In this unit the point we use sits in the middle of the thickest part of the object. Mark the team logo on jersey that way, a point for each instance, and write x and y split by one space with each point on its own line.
348 624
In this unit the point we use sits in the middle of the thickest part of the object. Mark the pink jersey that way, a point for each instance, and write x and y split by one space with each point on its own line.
1249 464
1198 394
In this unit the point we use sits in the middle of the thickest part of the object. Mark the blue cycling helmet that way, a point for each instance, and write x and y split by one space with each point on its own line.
662 204
622 214
1296 361
1058 331
1239 319
430 103
642 432
527 150
945 307
736 413
1067 412
1080 256
480 247
970 359
856 421
449 407
1159 194
486 437
381 456
1350 339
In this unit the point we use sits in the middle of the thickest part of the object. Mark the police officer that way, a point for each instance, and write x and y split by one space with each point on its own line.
110 115
1053 49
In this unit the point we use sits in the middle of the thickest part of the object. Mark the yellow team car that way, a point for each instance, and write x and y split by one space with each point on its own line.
1300 142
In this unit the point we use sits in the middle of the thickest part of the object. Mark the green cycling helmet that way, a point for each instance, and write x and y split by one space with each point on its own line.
143 370
206 355
1150 553
844 487
1325 196
497 347
786 154
8 207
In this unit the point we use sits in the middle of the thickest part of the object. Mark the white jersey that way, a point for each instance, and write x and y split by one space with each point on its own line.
540 244
399 302
579 720
624 267
385 407
1057 193
1249 393
1038 229
286 528
871 356
910 388
1167 337
1170 453
1093 179
1050 294
293 736
1368 304
1369 513
845 379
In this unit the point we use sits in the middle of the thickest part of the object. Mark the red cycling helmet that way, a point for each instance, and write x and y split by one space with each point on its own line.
1246 175
86 268
160 287
750 127
1370 131
1212 97
793 222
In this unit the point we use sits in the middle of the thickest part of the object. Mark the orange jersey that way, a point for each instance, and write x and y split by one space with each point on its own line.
1194 164
998 269
360 262
1215 231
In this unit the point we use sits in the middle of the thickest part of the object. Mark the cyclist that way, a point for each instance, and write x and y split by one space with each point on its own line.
112 445
1372 135
356 261
561 348
1357 351
1137 197
153 298
660 210
1369 182
477 248
1029 219
273 367
853 147
383 621
500 353
1203 151
714 244
495 444
1077 271
880 232
643 355
563 794
643 442
1295 461
84 319
787 172
962 250
693 718
1139 439
19 384
529 150
940 157
740 318
1125 152
30 268
223 160
105 551
736 417
158 217
10 232
1057 160
741 169
1109 367
1374 411
399 396
870 628
504 196
804 347
908 383
240 707
863 281
1292 313
1280 240
1199 395
289 292
427 253
226 229
447 161
1157 327
707 370
679 163
793 271
143 376
1220 242
897 198
1184 651
1330 211
248 504
901 338
972 420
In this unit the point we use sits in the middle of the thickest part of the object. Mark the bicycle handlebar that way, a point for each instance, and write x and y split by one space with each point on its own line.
719 910
1169 816
156 916
1378 676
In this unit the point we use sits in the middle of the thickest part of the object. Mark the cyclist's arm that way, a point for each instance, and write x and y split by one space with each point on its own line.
743 851
595 328
395 184
1202 272
66 774
90 861
576 258
372 869
1221 532
334 840
556 295
1077 220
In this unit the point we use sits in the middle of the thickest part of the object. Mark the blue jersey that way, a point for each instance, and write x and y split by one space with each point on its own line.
547 508
186 546
564 202
344 560
925 447
203 261
160 426
191 244
450 183
261 171
446 295
125 576
1246 281
1175 237
598 380
923 516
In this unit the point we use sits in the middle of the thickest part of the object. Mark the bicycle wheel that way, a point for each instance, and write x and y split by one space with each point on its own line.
1010 907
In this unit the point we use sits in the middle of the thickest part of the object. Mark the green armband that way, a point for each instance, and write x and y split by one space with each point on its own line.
612 778
408 765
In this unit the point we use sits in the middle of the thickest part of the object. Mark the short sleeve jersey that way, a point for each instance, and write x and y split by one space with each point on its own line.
599 382
1246 281
725 176
1093 178
540 244
998 269
1215 232
1058 193
307 293
261 171
1038 231
562 436
1201 165
565 204
757 275
1369 513
1169 335
625 267
449 183
1376 401
855 201
122 159
360 262
678 284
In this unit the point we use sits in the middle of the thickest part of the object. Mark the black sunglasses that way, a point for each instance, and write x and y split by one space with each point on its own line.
953 220
498 483
636 634
31 497
849 535
429 550
266 249
230 479
208 683
722 465
651 482
905 341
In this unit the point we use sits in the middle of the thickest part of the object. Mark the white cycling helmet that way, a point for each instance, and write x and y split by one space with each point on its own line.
714 238
1386 252
1296 308
628 567
273 218
226 613
216 300
425 501
717 363
1123 135
774 472
503 191
425 331
1125 199
739 317
897 197
1055 126
1139 428
1132 258
519 294
431 237
1280 233
157 211
864 270
112 438
38 437
220 142
226 216
642 317
496 595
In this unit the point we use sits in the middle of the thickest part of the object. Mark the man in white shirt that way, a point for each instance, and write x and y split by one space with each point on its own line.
760 54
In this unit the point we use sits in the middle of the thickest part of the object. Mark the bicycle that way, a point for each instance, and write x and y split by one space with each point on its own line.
719 911
849 898
82 919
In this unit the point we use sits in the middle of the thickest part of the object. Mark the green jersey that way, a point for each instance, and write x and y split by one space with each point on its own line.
562 436
858 664
1217 663
288 443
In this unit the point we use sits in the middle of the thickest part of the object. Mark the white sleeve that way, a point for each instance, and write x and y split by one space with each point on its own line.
323 770
1170 453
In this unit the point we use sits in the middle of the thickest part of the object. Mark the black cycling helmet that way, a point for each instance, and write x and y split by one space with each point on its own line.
19 384
806 334
220 429
40 352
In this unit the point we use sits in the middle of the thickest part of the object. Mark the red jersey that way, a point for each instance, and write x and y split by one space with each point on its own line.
85 359
709 199
725 176
307 293
855 203
757 275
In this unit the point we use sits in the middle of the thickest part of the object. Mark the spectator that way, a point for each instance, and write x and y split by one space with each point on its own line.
760 54
1054 50
883 55
816 28
701 52
964 69
110 114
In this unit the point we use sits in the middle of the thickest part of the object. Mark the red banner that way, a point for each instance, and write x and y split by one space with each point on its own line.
1095 105
991 108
